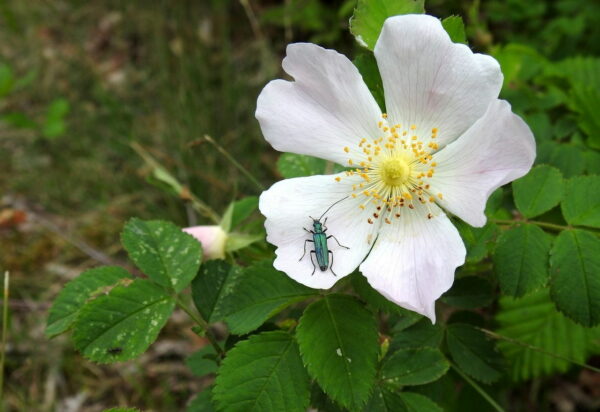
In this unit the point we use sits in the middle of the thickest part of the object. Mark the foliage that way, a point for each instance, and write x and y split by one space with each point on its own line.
525 305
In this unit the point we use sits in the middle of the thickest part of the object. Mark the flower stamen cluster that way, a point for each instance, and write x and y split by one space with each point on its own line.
395 167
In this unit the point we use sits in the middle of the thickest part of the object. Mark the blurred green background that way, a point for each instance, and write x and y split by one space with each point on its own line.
81 81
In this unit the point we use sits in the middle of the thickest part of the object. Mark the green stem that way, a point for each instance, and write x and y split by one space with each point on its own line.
234 162
478 388
546 225
4 332
204 325
535 348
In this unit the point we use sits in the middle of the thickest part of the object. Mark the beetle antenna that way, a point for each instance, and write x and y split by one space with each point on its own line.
329 208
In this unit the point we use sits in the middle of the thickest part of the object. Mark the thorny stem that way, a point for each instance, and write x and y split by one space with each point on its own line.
183 191
4 332
478 388
234 162
204 325
535 348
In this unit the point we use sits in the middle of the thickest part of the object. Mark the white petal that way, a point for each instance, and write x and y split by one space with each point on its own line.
327 107
497 149
287 206
431 82
414 259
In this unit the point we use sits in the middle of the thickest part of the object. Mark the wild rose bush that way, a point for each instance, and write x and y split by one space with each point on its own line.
403 267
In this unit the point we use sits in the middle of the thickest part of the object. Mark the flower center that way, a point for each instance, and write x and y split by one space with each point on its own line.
395 168
394 171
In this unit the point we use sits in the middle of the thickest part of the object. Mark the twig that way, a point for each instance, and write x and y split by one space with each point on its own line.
234 162
478 388
4 332
204 325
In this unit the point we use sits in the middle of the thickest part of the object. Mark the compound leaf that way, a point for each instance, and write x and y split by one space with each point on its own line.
215 280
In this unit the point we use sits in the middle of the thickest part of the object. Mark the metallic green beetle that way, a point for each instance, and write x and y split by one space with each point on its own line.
319 239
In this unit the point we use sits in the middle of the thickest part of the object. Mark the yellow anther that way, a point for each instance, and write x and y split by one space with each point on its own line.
349 161
338 178
440 195
366 193
385 129
384 115
434 130
346 149
433 164
354 195
380 124
414 138
388 221
362 207
413 127
431 199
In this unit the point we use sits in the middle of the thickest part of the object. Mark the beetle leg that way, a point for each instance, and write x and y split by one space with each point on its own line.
312 252
307 240
331 264
338 242
309 231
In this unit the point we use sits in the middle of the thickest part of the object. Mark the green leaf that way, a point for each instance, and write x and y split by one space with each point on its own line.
384 400
581 205
478 240
469 292
521 259
367 66
474 353
263 373
575 276
415 402
202 402
538 191
73 296
237 241
242 209
372 297
215 280
422 334
261 293
568 158
338 343
165 253
202 362
414 366
456 29
369 16
117 409
121 325
533 320
54 123
295 165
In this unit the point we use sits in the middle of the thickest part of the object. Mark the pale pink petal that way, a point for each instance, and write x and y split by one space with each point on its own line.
497 149
327 107
288 205
212 238
431 82
414 259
